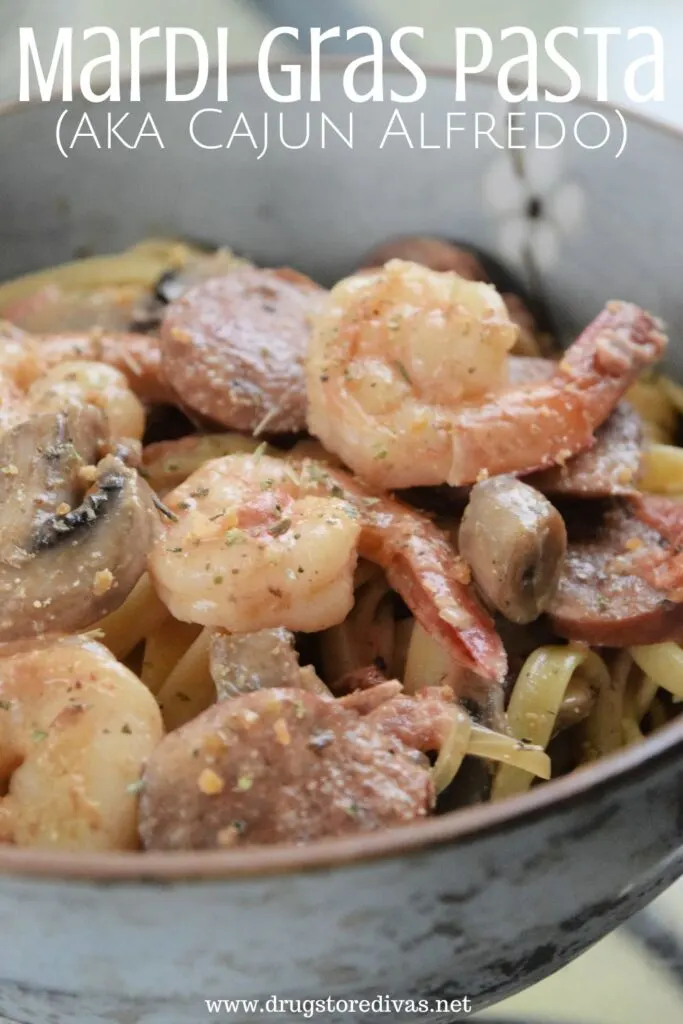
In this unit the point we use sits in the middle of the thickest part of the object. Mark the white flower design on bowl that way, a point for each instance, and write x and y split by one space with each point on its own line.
535 207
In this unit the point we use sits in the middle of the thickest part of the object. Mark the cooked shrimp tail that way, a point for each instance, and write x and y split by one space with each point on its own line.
545 423
421 565
137 356
410 381
433 581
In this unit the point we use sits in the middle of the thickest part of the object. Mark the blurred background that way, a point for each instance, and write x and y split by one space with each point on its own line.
635 975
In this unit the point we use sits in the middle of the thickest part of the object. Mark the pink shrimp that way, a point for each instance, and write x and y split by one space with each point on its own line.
408 380
137 356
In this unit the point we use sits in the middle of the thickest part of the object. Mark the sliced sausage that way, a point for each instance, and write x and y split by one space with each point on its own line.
360 679
621 583
514 542
277 766
234 348
434 253
137 356
422 722
609 469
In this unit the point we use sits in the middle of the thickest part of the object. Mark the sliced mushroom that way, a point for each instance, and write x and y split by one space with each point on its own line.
579 701
39 460
174 283
73 537
246 662
515 542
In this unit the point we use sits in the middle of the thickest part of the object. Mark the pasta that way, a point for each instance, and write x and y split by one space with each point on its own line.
427 663
138 268
366 636
164 647
170 463
658 411
138 617
605 727
536 701
356 523
662 469
189 689
663 664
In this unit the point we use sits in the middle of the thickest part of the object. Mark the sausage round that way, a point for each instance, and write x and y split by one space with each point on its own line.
234 348
277 766
434 253
619 587
608 469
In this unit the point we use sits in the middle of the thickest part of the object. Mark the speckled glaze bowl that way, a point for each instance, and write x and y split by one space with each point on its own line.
479 903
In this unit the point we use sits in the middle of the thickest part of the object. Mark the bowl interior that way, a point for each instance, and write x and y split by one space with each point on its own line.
576 225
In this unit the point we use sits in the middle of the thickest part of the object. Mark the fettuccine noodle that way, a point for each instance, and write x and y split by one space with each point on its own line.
663 664
662 469
536 701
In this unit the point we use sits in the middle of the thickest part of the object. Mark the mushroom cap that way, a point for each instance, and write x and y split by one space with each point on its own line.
515 542
74 536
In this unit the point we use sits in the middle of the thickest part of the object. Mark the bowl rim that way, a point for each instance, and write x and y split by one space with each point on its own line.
461 826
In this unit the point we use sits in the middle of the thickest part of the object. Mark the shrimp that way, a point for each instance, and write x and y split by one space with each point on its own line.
19 367
76 728
13 409
19 358
137 356
407 380
252 550
261 543
94 384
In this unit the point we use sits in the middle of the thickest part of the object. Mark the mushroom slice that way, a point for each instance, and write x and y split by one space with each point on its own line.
515 542
39 463
67 558
246 662
173 284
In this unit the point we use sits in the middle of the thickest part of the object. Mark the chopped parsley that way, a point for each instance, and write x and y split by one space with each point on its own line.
244 783
277 529
234 536
402 370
